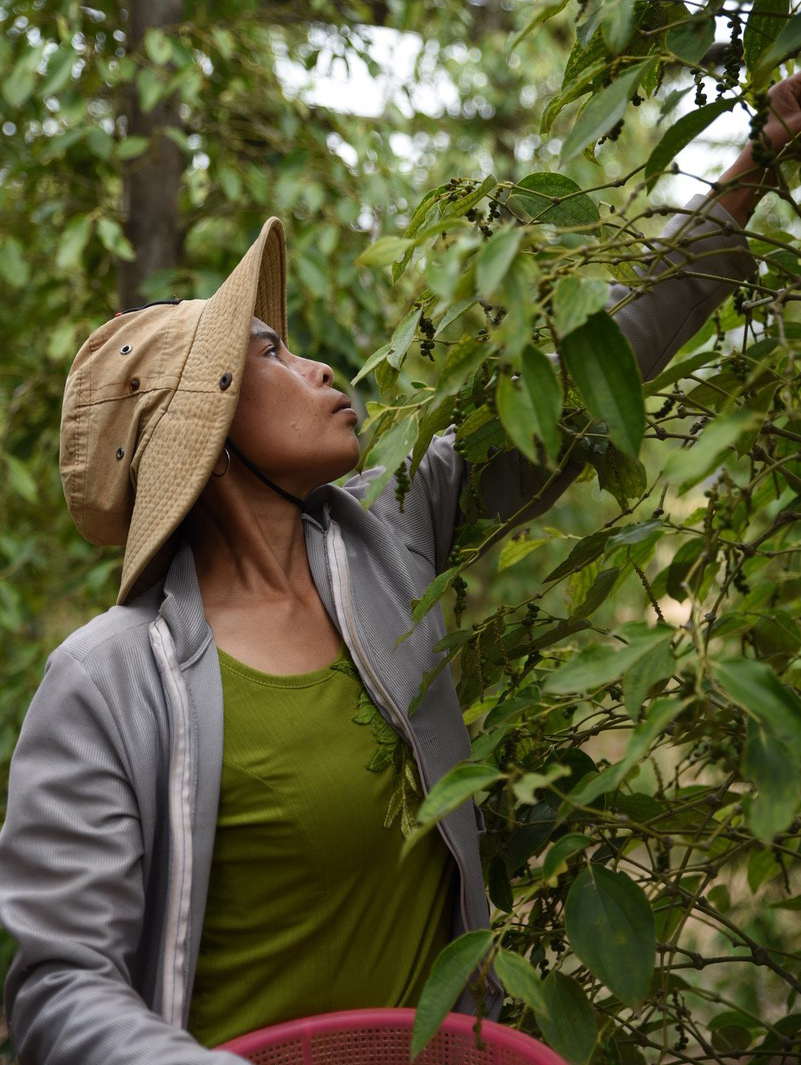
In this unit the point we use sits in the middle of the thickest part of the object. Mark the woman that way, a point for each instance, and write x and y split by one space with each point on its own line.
201 834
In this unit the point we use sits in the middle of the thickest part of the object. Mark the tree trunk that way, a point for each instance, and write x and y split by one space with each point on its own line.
151 182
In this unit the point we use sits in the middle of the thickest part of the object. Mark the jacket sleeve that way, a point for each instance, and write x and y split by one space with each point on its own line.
680 287
72 889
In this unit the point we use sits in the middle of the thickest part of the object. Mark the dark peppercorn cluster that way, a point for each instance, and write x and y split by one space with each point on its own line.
426 327
700 95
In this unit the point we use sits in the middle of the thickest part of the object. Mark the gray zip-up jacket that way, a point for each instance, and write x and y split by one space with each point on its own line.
105 853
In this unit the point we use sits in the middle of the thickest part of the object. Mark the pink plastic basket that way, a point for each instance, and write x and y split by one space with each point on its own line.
383 1037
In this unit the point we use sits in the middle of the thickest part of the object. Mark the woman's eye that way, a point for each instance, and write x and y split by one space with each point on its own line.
271 351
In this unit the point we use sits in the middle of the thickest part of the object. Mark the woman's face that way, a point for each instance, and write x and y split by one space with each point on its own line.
289 419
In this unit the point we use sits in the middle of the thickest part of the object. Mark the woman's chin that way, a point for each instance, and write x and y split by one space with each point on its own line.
334 470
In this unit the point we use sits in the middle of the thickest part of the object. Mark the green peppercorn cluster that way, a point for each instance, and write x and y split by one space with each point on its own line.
458 188
402 484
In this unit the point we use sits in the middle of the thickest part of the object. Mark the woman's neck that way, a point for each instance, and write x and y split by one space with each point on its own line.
247 543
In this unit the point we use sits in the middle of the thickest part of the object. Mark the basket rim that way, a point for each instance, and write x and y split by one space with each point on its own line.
387 1017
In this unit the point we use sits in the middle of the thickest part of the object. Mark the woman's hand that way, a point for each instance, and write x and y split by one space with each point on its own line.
755 171
784 115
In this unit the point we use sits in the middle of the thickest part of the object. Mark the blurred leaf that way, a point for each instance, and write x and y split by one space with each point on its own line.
545 395
762 866
680 134
436 417
479 434
514 551
598 593
131 147
787 904
20 480
545 11
517 977
495 258
621 475
464 358
14 268
59 70
152 88
453 313
18 84
426 207
785 44
553 198
449 975
641 677
756 687
556 857
158 46
434 592
692 39
765 20
310 266
499 886
114 240
231 184
660 714
100 143
403 337
602 364
618 24
604 110
611 928
773 768
384 251
454 788
569 1026
600 664
691 465
390 450
529 784
517 414
633 534
224 41
73 241
585 551
575 299
463 204
678 372
686 571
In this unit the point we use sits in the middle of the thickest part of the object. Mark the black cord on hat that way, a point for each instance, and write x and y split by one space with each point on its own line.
155 303
254 469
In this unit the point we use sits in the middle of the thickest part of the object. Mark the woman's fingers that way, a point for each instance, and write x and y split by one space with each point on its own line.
784 118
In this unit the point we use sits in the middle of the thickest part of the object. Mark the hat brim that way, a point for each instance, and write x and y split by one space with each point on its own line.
188 438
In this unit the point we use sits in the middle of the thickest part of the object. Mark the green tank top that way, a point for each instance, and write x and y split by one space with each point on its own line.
310 908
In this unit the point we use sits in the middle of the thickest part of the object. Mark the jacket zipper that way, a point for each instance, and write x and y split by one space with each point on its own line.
343 602
176 924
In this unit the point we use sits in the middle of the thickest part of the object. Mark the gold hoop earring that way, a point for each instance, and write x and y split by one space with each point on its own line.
227 454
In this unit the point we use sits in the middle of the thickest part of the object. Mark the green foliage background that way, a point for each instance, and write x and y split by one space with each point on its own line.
629 663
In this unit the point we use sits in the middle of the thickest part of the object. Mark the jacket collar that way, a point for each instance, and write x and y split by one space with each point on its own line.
182 608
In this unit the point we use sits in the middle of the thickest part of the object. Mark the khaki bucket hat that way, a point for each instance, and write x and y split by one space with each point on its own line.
148 404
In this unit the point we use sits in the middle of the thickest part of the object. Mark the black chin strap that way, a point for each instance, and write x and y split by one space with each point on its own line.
254 469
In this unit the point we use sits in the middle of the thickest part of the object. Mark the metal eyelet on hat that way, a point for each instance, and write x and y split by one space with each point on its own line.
225 381
134 384
126 349
120 452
